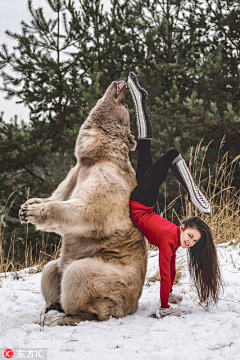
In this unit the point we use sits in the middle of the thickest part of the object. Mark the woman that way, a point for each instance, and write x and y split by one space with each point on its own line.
193 233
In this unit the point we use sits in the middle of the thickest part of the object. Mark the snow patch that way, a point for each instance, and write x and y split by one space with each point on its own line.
198 334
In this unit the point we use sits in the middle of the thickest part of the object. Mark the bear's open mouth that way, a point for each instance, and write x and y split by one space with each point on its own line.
120 85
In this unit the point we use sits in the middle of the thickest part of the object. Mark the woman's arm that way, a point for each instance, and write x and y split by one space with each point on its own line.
165 273
173 269
160 233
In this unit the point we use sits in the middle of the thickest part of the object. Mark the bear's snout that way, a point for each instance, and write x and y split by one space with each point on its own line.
117 90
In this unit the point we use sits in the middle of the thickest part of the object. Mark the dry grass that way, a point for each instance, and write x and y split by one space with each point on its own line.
154 278
35 265
8 262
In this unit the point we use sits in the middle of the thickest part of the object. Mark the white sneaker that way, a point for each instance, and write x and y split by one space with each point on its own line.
195 196
139 96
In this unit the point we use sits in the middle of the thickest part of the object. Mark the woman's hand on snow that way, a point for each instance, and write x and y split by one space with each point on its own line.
175 299
168 312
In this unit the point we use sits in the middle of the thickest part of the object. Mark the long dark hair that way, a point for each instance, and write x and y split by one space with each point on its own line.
203 263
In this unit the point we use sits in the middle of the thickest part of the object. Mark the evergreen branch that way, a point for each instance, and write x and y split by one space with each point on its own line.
221 27
28 170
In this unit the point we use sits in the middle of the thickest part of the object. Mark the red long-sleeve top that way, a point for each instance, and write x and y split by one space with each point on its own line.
166 236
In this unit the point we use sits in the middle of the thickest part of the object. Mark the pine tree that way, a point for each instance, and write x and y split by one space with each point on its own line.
51 73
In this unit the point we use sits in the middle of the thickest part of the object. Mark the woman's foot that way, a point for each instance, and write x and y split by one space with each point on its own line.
195 196
139 96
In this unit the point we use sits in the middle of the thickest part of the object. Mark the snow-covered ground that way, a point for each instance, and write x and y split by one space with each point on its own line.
197 334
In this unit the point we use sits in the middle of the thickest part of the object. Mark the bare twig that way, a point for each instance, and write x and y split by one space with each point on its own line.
71 336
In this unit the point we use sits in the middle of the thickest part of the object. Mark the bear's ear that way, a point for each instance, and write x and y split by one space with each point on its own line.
132 144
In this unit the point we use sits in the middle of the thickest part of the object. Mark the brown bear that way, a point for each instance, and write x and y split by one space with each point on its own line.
102 265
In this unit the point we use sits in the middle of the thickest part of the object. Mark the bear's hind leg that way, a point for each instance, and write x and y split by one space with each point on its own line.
51 286
93 289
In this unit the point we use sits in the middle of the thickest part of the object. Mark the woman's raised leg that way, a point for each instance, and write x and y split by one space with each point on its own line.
149 176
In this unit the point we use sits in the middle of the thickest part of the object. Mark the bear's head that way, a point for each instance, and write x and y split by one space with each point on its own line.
106 132
111 114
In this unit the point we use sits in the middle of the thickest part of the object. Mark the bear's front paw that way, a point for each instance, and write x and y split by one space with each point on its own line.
36 201
32 213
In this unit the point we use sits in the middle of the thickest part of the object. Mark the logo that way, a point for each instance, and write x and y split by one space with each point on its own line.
8 353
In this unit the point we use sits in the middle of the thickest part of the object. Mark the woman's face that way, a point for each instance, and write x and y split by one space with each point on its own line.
189 237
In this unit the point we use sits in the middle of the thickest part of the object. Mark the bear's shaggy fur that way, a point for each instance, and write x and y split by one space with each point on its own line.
102 266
